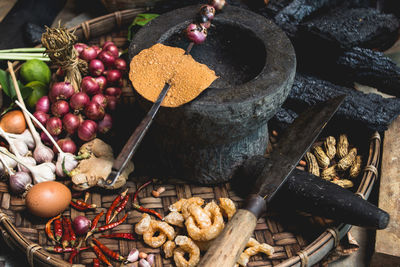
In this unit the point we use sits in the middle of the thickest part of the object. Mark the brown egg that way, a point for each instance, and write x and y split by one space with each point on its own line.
48 199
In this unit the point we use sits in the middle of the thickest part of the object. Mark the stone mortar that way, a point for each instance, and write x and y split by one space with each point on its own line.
204 140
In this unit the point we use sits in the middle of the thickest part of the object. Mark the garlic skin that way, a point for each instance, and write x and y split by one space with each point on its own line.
43 154
20 182
43 172
70 163
21 147
27 161
25 137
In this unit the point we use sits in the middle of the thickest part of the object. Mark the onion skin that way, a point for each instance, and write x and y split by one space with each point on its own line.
113 91
102 82
13 122
60 108
88 54
45 139
71 123
87 130
61 90
105 124
79 47
196 33
113 49
120 64
81 225
41 116
66 145
96 67
107 44
79 101
94 111
107 58
100 99
54 125
43 104
113 76
90 86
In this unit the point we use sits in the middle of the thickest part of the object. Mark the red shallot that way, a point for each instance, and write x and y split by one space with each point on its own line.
41 116
90 86
87 130
71 123
79 101
61 90
60 108
54 125
43 104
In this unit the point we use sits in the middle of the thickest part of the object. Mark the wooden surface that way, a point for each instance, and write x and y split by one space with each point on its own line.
5 7
228 246
387 245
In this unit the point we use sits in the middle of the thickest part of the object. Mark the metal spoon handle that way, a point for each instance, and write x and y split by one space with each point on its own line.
133 143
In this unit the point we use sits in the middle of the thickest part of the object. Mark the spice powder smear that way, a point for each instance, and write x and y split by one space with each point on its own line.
152 68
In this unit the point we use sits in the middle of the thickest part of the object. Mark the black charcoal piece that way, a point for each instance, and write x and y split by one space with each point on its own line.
371 68
347 28
372 110
291 13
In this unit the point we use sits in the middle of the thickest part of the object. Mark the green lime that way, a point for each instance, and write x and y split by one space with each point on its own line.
35 70
39 89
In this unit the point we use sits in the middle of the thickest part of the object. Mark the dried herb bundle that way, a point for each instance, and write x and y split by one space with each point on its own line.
59 44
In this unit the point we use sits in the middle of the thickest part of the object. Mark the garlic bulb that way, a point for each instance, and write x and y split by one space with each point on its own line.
27 161
26 137
43 153
69 163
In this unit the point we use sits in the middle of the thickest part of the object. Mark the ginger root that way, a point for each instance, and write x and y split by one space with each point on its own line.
93 170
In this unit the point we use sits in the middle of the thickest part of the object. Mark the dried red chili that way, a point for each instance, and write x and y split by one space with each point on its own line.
49 233
111 225
82 206
96 263
65 237
142 209
114 255
58 249
116 201
72 236
94 224
100 254
73 255
58 232
140 189
127 236
121 206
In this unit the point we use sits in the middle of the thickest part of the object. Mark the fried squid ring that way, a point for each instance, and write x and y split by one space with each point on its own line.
143 225
205 234
165 231
201 217
168 248
186 245
251 251
174 218
227 207
177 206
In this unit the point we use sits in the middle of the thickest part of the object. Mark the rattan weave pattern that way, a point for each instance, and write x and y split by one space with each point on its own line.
292 244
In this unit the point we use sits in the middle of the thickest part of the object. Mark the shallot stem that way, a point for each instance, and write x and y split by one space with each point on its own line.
24 49
12 156
41 126
10 142
10 172
35 134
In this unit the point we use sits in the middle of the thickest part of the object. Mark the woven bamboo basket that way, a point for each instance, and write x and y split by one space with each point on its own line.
294 245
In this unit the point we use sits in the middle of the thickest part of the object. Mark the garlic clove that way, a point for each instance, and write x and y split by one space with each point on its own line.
43 153
69 163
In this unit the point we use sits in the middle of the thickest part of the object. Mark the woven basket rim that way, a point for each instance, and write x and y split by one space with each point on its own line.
310 255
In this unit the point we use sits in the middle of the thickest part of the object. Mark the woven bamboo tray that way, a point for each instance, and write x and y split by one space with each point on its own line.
296 244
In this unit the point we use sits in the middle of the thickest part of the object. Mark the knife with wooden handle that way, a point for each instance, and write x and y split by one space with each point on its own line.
297 139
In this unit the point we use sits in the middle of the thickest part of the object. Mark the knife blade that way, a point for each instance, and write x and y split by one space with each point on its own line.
293 144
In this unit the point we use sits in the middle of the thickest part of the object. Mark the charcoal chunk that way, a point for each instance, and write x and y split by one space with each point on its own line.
295 12
347 28
371 110
371 68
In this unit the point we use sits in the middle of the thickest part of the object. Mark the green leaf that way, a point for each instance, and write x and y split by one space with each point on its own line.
141 20
4 82
25 91
12 92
